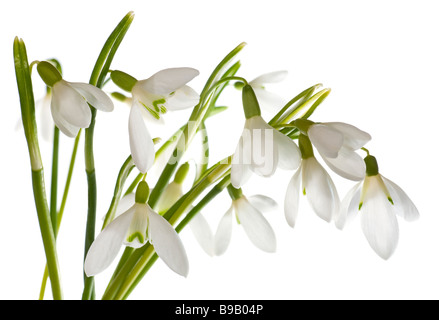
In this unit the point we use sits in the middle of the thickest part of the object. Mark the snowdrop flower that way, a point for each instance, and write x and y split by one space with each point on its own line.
69 104
165 90
336 142
313 180
378 201
261 149
136 226
248 214
268 100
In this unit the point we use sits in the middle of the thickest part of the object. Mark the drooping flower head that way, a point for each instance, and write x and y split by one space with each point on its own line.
247 211
70 100
313 181
337 142
261 148
378 201
163 91
134 228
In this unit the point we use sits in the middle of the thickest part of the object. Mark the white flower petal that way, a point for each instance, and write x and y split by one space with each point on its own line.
263 149
327 140
354 138
183 98
289 152
170 195
223 233
169 80
263 203
94 96
107 244
46 121
378 219
240 171
125 203
255 225
167 243
268 101
348 164
271 77
65 127
320 190
141 144
349 207
203 234
70 105
239 175
291 203
403 205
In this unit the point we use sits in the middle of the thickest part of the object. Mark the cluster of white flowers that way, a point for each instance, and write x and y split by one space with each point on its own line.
260 150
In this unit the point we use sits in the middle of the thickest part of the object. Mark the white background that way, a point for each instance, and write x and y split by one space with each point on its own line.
380 58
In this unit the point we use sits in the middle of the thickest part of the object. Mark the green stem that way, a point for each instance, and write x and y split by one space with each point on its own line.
47 233
54 182
62 206
68 180
97 79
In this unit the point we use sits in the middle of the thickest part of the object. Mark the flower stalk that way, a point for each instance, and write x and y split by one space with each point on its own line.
97 79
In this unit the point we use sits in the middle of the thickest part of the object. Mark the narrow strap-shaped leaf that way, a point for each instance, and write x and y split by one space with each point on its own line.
27 103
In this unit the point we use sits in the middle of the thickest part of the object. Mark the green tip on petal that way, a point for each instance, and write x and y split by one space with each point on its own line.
142 192
123 80
135 235
250 102
48 73
390 200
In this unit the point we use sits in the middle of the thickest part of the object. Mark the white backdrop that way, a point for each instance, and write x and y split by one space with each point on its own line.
380 58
